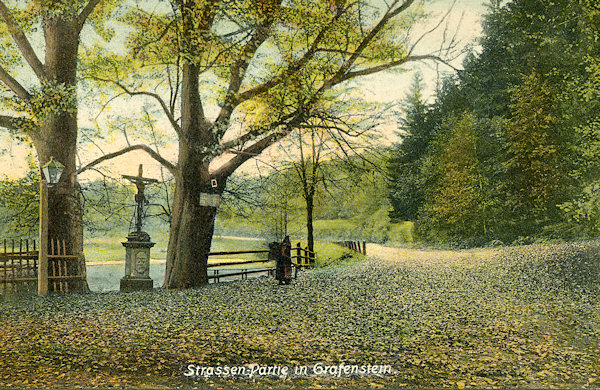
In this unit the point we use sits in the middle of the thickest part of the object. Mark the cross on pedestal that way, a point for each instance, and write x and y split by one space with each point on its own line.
140 182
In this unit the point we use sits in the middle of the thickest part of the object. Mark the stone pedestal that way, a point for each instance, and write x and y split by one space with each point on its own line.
137 263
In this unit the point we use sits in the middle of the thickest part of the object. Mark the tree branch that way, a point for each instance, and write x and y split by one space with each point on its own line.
267 85
162 103
12 123
426 33
251 151
254 133
167 164
21 40
238 72
390 14
14 85
8 122
242 139
379 68
344 72
86 12
138 49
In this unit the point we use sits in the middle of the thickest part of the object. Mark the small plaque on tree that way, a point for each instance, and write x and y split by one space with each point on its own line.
209 200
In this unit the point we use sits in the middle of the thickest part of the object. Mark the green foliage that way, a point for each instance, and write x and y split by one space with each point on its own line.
533 161
401 233
406 190
19 204
108 206
520 162
49 100
455 204
352 205
216 35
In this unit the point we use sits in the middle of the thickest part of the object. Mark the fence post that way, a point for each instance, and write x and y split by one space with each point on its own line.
364 248
306 257
298 255
43 252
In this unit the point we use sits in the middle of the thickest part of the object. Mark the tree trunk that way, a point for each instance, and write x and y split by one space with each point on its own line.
309 223
190 238
58 139
192 225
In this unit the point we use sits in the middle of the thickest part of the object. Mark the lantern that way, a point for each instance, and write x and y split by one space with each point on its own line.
52 171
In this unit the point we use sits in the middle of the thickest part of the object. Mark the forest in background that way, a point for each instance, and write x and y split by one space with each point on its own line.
508 151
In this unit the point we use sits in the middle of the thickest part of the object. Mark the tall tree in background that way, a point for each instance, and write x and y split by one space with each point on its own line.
533 162
250 58
455 204
406 191
44 101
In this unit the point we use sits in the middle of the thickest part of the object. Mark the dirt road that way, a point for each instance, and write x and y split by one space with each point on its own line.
430 257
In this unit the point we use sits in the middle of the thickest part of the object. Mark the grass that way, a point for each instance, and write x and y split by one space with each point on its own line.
328 229
401 233
504 318
101 249
109 248
331 254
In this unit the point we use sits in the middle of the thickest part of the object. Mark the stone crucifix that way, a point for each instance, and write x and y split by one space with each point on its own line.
140 182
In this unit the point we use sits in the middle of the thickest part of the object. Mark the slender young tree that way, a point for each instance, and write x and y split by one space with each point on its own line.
310 174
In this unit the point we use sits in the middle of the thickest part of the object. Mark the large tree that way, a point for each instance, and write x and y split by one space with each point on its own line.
267 66
39 96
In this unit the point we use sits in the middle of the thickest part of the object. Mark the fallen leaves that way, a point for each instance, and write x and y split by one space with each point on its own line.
503 321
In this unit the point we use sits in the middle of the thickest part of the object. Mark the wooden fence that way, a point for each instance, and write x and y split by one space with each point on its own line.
301 258
19 266
60 267
219 272
357 246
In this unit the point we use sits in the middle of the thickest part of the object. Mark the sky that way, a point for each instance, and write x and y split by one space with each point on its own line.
388 87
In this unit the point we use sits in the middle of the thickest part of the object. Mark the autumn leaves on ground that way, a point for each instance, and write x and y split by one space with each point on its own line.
509 317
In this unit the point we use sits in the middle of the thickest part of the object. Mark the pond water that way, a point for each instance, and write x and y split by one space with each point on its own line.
107 277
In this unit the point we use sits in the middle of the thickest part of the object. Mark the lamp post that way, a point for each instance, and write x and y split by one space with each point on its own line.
50 175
